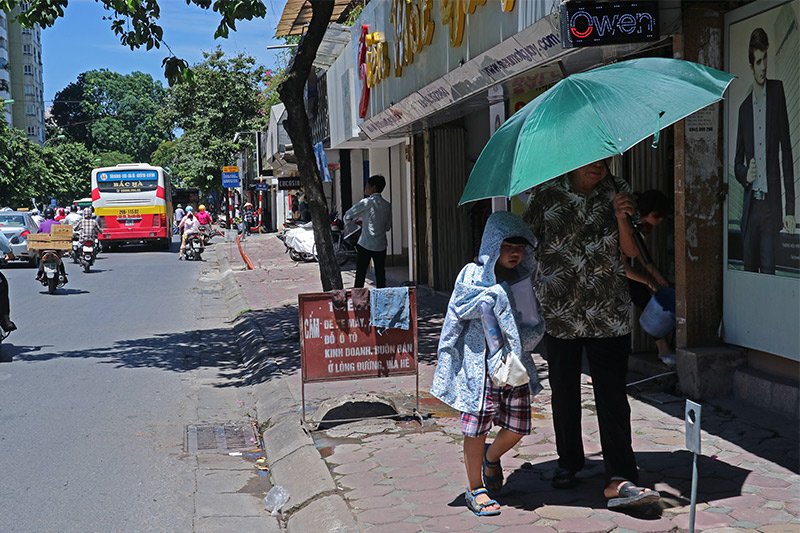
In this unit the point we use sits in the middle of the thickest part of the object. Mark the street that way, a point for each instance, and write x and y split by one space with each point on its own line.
97 387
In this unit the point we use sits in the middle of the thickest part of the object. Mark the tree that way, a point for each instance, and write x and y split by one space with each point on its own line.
109 111
225 97
113 158
22 169
69 171
299 130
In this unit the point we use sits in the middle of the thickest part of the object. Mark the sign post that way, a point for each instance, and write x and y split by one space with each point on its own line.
230 177
339 344
693 435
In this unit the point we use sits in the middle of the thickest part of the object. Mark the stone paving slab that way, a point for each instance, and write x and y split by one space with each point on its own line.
414 480
227 524
327 514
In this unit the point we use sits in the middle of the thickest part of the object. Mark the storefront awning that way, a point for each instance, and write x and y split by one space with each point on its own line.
297 15
336 38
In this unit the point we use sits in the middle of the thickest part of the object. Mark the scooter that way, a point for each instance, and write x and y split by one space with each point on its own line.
76 248
52 270
208 232
193 249
88 255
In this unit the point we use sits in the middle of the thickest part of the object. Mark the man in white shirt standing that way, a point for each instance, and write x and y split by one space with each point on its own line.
376 221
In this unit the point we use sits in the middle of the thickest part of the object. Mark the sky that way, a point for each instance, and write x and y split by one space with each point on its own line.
82 41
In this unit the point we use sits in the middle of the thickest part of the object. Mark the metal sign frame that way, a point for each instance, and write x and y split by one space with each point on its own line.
357 338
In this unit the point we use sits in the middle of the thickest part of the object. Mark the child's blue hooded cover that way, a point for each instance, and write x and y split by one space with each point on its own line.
461 369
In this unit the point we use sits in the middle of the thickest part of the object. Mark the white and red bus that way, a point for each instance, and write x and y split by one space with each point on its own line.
133 203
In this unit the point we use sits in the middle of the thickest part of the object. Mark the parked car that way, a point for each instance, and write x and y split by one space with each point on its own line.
16 226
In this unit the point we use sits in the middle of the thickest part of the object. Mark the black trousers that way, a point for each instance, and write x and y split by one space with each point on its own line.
760 240
5 308
362 263
608 364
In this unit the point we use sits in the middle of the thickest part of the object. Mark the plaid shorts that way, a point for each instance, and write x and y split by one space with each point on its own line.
508 407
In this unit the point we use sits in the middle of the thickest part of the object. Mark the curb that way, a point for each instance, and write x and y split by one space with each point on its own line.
295 463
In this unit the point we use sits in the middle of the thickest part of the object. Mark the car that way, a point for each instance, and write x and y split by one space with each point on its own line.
16 226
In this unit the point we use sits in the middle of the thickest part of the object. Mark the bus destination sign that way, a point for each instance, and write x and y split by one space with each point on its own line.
124 181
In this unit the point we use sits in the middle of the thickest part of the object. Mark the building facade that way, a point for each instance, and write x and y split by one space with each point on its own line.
24 71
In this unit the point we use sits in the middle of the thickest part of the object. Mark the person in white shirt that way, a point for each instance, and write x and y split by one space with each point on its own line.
376 220
73 218
36 216
190 225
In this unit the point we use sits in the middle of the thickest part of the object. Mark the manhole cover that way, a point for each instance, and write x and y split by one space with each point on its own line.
218 437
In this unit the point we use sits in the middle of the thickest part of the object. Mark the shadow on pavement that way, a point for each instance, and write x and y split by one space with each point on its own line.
528 487
9 350
176 352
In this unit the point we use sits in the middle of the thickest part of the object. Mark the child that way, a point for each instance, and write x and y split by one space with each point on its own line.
462 380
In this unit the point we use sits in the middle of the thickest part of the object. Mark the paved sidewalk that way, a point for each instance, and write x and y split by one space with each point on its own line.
400 476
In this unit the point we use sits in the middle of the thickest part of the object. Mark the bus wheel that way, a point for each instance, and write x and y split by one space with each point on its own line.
166 244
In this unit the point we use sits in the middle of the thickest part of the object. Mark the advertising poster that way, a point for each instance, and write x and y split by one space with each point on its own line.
763 141
761 132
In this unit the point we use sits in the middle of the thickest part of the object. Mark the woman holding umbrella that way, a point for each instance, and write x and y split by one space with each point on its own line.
581 223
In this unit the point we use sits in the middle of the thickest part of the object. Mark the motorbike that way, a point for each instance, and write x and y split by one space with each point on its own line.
52 278
207 232
344 247
88 254
76 248
193 249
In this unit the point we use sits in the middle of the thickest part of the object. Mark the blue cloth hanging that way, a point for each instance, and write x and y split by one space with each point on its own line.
390 308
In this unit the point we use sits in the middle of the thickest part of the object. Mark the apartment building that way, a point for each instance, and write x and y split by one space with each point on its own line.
22 70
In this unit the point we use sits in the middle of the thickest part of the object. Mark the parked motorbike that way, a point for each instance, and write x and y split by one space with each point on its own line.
344 248
88 255
193 249
52 276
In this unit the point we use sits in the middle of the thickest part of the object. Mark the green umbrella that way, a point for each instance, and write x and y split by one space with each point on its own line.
589 116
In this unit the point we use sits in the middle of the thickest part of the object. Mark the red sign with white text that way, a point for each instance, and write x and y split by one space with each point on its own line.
341 344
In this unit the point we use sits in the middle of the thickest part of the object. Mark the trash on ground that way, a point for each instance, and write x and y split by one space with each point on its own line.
275 499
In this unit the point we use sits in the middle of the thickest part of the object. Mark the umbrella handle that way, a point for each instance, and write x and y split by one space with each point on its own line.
644 253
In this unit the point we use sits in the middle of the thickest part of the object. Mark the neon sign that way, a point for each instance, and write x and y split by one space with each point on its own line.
597 24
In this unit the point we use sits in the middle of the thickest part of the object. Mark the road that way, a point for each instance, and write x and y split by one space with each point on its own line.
96 389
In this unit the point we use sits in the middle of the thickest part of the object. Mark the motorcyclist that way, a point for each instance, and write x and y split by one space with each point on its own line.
5 307
88 228
73 217
190 226
44 227
36 216
203 216
179 214
48 222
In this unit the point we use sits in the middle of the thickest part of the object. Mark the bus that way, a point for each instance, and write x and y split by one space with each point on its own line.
133 204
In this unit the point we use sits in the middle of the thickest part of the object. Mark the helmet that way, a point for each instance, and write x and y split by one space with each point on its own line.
180 206
201 207
248 204
87 213
189 209
61 211
34 211
49 213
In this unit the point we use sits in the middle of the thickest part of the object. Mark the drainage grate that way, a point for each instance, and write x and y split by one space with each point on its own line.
218 437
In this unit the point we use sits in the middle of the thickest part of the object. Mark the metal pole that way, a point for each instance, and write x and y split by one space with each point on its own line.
694 493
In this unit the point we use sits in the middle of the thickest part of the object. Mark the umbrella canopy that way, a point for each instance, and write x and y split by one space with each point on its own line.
590 116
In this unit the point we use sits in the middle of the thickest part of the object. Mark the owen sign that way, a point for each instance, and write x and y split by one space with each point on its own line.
597 24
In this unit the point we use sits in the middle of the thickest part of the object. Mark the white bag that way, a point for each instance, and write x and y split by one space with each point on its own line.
509 371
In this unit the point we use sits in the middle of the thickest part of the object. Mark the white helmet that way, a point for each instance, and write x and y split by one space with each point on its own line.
87 213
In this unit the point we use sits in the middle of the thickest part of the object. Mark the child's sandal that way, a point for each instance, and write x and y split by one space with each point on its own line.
494 482
479 508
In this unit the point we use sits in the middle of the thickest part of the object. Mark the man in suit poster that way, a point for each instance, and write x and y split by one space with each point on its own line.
763 163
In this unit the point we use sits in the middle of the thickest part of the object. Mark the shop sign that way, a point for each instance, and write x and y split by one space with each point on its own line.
454 15
602 23
363 69
378 64
342 345
288 184
413 30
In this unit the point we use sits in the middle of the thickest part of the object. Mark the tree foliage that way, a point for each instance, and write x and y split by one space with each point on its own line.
225 97
29 171
108 111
